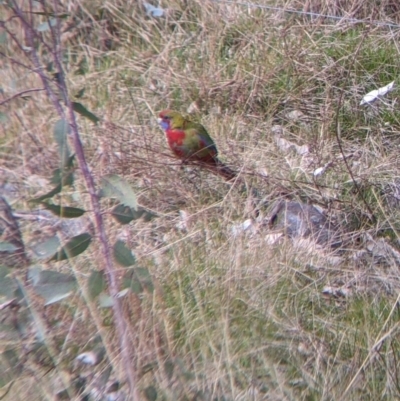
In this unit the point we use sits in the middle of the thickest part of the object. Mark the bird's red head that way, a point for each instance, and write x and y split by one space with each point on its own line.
164 119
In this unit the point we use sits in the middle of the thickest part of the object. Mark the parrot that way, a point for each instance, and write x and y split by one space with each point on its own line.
190 142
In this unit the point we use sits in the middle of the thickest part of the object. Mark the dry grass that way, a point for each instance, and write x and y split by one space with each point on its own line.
237 317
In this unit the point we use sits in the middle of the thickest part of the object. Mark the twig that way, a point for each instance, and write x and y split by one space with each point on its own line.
20 94
339 142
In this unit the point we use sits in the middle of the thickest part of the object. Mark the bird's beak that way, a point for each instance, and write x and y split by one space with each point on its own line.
159 120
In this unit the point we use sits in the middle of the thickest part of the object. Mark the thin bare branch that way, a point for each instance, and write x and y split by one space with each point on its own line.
19 94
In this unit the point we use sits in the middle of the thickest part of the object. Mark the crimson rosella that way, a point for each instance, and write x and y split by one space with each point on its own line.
191 142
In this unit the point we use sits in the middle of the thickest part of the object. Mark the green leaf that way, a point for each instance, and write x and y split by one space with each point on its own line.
56 177
51 285
83 111
136 214
96 284
105 301
3 38
148 216
56 190
3 117
64 211
64 175
45 249
4 271
60 133
11 358
169 368
150 393
10 366
50 66
123 214
70 163
137 279
57 76
8 285
113 186
7 247
45 26
123 255
123 293
34 274
74 247
62 180
80 93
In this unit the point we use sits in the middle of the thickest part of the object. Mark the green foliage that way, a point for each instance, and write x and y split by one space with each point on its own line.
150 393
45 249
10 367
83 111
7 247
51 285
125 214
137 280
61 132
113 186
123 255
8 285
62 177
75 246
96 284
3 117
64 211
45 26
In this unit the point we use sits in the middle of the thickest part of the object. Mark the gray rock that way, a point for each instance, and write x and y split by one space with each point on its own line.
298 219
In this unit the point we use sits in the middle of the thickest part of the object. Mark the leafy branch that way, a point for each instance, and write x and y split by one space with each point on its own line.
66 109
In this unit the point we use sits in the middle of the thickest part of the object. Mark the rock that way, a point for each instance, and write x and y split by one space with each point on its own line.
298 219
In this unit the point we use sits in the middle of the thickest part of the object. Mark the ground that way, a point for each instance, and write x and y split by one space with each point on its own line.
230 305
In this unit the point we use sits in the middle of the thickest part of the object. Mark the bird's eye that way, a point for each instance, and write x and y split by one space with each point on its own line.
167 117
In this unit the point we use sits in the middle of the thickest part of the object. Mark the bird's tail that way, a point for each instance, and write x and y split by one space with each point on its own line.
219 168
226 171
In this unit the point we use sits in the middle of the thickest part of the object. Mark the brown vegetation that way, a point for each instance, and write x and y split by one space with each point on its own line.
232 311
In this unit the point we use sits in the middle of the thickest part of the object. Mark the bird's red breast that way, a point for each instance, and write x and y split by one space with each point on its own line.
175 140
